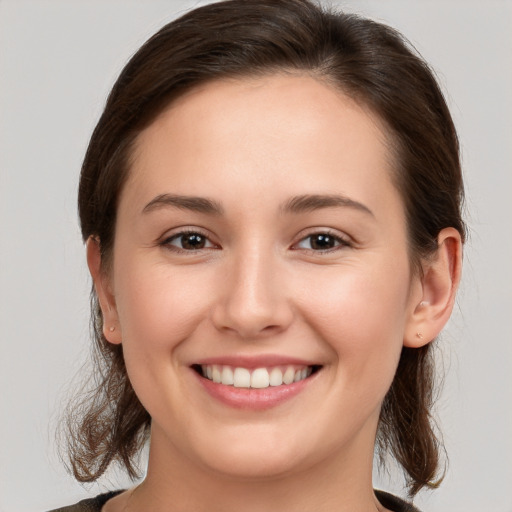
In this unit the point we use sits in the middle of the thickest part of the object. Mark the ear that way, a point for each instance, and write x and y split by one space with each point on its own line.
434 296
103 287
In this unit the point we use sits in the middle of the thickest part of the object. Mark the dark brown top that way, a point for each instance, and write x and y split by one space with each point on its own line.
94 504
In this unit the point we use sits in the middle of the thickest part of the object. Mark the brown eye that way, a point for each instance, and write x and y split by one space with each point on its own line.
321 242
190 241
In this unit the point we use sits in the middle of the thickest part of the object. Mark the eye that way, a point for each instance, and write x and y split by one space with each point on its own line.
322 242
188 241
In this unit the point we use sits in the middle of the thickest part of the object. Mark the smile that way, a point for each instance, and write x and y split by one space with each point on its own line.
257 378
255 386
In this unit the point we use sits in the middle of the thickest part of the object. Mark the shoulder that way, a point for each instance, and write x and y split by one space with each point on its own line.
89 505
393 503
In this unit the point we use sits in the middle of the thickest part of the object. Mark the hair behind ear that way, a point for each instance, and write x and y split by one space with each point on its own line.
407 429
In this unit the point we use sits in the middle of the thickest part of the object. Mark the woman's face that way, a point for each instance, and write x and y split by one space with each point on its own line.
260 240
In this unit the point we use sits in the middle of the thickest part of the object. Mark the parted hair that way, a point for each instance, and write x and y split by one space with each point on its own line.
368 61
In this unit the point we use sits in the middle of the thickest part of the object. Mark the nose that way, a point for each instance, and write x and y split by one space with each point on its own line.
253 300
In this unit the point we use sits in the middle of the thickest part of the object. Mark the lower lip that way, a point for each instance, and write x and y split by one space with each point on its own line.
251 398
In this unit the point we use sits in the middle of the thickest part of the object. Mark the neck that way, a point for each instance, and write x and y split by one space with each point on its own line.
341 482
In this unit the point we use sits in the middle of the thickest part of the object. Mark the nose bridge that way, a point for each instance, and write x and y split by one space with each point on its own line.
254 300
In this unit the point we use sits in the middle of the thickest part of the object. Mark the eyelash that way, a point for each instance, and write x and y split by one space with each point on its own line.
340 241
167 242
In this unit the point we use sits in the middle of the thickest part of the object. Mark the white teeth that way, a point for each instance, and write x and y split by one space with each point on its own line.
276 377
227 376
242 378
289 374
258 378
216 376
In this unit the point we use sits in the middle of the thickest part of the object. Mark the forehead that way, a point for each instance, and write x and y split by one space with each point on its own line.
293 134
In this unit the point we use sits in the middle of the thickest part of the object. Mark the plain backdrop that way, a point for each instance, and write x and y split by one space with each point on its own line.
58 60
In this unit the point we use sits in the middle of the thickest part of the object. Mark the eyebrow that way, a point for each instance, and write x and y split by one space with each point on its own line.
310 202
191 203
297 204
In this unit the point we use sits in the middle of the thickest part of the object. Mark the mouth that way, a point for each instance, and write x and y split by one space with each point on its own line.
255 378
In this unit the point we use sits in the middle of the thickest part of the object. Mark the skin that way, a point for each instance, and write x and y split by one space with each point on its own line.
260 285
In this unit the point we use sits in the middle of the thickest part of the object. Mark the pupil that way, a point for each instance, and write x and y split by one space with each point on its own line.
193 241
322 242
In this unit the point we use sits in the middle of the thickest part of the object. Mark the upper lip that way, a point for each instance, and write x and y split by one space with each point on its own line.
255 361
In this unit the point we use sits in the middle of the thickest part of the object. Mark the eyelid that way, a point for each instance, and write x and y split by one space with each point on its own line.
165 241
343 240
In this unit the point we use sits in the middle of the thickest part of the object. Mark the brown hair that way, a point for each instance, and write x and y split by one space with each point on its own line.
240 38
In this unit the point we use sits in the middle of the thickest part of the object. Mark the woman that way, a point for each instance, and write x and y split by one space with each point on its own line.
271 206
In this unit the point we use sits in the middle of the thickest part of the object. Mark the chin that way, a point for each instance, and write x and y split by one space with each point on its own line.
258 466
254 457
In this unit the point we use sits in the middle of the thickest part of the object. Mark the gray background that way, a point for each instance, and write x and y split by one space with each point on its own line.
58 60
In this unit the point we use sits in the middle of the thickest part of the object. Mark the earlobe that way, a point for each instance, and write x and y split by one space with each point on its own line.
103 288
439 283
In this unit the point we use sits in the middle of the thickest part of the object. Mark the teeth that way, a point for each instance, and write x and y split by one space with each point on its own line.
227 376
242 378
258 378
216 375
276 377
289 374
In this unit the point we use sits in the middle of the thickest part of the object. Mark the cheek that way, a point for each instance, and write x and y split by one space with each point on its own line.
158 308
361 314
